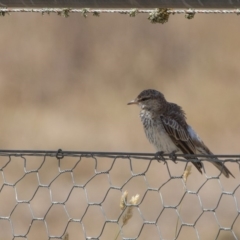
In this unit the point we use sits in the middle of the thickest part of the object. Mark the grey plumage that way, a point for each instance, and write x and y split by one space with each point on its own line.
166 128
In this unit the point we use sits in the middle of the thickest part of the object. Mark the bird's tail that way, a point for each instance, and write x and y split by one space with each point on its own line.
198 165
219 165
224 170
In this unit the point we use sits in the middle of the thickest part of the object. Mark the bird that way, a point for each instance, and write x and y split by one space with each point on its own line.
167 130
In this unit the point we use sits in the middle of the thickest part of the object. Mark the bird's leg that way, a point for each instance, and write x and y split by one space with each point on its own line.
172 156
159 156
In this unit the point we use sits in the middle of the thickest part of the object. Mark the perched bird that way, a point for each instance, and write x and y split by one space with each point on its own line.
166 128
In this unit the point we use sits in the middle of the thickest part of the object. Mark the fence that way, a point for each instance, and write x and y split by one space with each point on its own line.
94 195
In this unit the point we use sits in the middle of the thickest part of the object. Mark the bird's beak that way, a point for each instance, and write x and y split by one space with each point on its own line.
135 101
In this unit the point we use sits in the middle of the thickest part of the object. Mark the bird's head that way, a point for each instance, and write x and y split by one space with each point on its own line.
150 100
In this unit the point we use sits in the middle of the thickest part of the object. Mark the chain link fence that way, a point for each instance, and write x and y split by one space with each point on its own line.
94 195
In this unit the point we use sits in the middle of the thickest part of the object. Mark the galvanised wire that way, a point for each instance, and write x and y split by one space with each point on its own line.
189 13
121 11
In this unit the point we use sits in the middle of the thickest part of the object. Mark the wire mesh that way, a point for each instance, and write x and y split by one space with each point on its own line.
77 195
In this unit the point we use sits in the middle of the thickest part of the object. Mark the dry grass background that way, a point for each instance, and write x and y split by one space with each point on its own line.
64 83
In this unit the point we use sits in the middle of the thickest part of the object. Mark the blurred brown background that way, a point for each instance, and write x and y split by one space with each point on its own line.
65 82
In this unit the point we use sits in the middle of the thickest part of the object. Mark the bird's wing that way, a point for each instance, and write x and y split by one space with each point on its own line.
190 143
179 135
201 148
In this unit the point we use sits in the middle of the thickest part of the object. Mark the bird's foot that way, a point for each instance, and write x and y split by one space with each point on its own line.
159 156
172 156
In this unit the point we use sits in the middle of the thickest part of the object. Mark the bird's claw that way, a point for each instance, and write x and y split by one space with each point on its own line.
173 156
159 156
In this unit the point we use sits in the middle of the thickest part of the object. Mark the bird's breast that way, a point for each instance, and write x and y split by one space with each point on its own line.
156 133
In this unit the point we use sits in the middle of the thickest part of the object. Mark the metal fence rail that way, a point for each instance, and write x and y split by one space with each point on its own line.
157 15
112 195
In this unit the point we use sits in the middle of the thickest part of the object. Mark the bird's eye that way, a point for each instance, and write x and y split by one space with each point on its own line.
145 98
